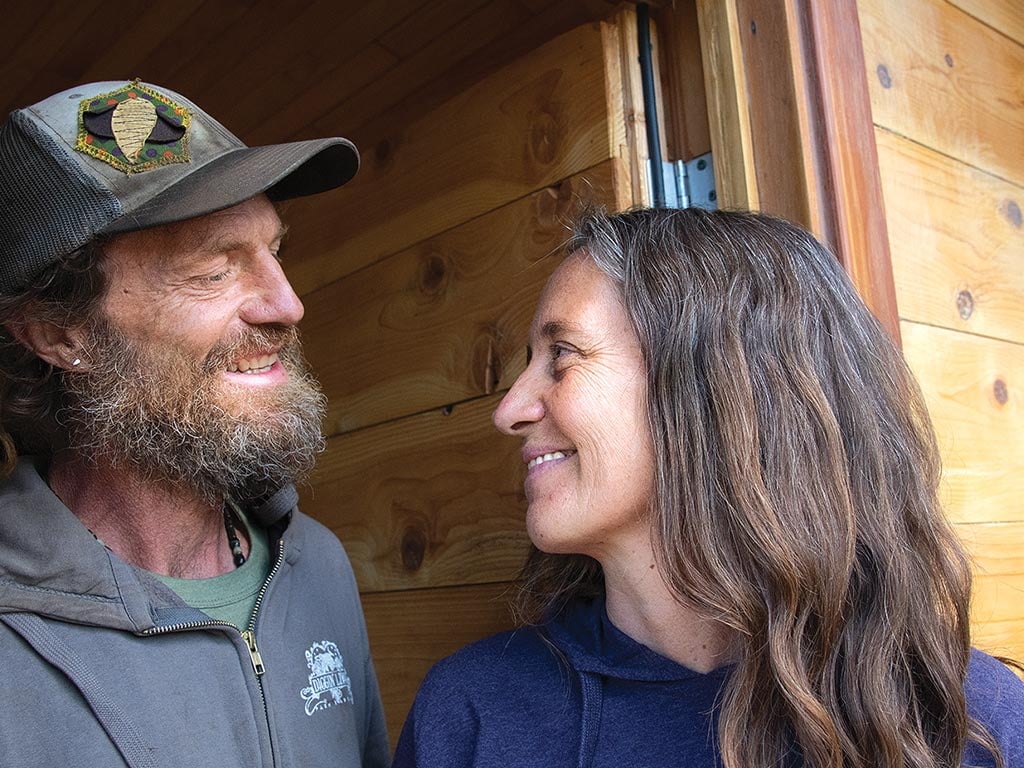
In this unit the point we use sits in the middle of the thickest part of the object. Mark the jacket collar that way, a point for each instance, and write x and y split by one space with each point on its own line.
52 565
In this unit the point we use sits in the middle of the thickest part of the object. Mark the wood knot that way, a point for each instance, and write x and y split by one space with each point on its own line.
487 365
1011 210
544 138
883 76
383 154
949 60
414 548
1000 391
965 304
433 274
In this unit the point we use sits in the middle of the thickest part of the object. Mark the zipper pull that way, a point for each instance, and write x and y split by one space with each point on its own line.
254 652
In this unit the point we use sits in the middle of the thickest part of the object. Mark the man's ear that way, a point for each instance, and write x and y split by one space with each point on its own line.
59 346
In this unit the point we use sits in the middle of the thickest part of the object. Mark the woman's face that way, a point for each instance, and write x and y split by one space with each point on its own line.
579 408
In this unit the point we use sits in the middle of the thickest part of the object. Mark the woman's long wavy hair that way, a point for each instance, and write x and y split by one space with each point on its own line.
66 294
796 494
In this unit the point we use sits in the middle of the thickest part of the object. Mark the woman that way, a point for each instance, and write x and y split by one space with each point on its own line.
740 554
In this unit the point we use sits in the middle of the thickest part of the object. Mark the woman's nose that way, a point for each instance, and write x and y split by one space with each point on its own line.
520 407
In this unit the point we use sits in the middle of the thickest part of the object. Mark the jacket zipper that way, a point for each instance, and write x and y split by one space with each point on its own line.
248 634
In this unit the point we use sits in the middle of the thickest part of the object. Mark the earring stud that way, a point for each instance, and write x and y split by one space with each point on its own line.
77 361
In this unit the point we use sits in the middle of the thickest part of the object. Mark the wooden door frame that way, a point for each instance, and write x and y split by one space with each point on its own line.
791 128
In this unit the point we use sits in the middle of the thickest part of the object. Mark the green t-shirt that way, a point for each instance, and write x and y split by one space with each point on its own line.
232 596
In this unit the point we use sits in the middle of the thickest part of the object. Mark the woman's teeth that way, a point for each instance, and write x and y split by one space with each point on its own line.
546 457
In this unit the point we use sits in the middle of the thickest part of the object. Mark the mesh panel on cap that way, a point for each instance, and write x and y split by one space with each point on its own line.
49 205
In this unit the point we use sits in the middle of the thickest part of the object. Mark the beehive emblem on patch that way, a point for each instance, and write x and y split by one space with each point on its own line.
134 129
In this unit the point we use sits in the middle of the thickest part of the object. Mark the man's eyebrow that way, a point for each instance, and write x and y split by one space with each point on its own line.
231 243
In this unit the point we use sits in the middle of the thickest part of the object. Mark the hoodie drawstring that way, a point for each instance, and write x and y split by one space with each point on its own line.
593 697
122 731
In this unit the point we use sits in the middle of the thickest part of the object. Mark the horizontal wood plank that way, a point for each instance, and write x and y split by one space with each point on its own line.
997 550
1005 16
427 501
539 120
946 80
974 388
445 320
957 241
409 631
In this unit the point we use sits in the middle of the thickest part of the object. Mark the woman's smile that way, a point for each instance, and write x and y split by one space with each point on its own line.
579 408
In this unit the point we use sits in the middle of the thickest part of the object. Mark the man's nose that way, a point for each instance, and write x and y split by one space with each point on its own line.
273 300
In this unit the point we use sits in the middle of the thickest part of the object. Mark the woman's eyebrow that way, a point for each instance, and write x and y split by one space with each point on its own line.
558 328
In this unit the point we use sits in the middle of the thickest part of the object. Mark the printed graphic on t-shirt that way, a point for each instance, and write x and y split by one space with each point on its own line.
329 683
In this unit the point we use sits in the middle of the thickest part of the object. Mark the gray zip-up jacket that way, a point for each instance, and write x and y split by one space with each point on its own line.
102 665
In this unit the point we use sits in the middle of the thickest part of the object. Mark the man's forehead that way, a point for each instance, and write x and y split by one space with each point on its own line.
230 228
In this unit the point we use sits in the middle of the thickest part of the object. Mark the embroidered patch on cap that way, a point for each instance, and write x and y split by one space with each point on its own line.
134 129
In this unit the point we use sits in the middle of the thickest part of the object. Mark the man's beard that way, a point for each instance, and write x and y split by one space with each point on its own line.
167 416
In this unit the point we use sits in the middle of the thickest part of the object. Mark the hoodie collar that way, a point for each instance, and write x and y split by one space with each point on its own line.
52 565
594 645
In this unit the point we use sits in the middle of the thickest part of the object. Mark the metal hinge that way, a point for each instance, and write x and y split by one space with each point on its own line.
690 183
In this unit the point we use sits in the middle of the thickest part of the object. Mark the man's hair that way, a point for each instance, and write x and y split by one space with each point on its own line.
795 494
66 294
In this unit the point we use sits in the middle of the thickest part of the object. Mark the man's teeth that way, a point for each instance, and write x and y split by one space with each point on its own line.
253 364
546 457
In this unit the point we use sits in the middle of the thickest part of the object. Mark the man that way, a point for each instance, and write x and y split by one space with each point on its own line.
162 601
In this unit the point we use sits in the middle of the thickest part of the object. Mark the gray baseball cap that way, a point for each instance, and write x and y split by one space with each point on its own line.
113 157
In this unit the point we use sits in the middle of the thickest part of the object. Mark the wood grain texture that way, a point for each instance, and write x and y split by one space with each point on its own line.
627 120
539 120
729 119
973 389
315 75
445 320
997 550
35 64
792 131
957 241
844 187
683 100
771 100
431 500
1005 16
409 631
946 80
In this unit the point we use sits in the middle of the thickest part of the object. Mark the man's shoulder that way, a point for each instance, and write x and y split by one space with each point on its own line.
314 535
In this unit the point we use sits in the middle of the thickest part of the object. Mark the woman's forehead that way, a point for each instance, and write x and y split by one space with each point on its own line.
578 298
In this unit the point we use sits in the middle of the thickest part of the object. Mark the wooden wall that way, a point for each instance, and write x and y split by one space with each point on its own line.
947 94
420 280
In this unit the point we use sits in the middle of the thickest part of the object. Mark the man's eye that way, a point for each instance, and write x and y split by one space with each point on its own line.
214 278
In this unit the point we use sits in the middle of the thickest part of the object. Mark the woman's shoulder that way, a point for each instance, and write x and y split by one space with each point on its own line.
496 660
995 698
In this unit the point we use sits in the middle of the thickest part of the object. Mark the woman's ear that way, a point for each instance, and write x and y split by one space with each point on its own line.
59 346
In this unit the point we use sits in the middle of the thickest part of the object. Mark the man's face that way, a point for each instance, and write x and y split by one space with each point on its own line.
194 369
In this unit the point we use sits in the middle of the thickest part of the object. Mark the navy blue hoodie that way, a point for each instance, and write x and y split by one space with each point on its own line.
582 694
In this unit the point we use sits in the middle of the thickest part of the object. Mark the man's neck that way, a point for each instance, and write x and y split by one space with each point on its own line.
159 526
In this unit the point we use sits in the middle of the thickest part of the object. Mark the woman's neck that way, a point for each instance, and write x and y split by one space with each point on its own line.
641 605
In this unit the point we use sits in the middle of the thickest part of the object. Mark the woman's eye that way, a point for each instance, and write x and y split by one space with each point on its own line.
559 352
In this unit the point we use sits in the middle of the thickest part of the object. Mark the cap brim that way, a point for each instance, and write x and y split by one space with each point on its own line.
282 171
